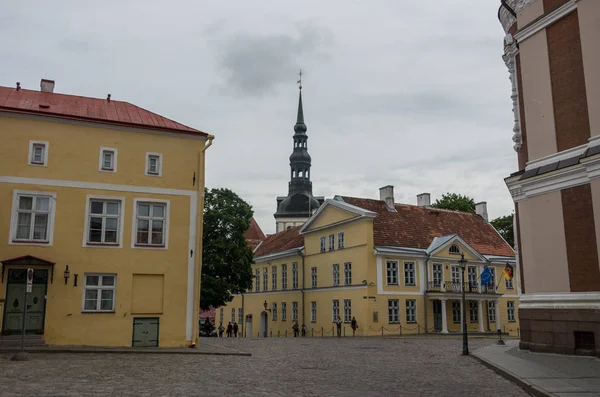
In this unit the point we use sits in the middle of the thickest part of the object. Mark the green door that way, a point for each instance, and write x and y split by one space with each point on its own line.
145 332
15 299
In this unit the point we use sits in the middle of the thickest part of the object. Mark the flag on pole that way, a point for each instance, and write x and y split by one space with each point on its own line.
508 271
486 276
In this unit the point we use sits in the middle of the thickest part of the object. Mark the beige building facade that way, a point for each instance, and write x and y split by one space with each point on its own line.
553 57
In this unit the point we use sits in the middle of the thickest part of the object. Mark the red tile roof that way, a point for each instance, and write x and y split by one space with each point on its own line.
282 241
254 235
87 109
416 227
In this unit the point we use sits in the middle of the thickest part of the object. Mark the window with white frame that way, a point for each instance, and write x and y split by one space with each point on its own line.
331 242
509 284
313 277
393 311
335 310
295 275
284 277
347 273
454 249
108 159
491 310
104 221
473 314
294 311
257 281
438 274
340 240
472 277
493 280
409 273
221 315
283 311
510 308
456 311
240 316
32 217
153 164
322 240
313 312
411 311
347 310
455 274
99 293
274 310
232 315
265 279
150 224
274 278
392 272
336 275
38 153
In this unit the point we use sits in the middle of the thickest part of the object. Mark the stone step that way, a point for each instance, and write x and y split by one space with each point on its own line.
15 340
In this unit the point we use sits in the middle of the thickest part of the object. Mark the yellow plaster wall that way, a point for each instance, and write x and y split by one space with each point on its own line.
74 152
73 155
331 215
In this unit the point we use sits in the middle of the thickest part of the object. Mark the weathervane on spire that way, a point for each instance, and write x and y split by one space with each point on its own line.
300 81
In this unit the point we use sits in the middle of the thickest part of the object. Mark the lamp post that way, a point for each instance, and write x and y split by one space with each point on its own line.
463 264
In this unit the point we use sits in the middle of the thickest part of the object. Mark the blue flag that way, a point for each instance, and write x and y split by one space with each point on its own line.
486 276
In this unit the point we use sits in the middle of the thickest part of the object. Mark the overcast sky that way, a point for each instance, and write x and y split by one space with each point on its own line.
409 93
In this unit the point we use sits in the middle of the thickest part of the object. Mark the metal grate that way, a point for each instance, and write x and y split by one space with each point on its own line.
585 340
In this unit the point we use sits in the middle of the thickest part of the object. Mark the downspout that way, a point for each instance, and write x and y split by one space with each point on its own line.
302 288
199 232
243 316
425 291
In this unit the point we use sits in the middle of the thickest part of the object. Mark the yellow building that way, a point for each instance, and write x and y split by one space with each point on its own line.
393 267
103 199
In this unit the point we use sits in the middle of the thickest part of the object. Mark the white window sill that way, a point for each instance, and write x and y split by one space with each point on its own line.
38 164
43 243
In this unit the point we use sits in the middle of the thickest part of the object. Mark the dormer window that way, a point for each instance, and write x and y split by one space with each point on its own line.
108 160
454 249
153 164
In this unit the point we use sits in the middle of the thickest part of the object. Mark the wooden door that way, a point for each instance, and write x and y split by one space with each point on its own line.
145 332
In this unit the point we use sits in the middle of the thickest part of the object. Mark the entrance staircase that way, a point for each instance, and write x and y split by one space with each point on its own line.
13 342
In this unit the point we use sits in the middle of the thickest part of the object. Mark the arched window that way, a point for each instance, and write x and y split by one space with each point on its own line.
293 173
454 249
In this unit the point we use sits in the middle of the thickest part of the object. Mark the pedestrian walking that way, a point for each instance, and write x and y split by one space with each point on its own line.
339 326
354 326
296 329
221 330
303 330
235 330
229 330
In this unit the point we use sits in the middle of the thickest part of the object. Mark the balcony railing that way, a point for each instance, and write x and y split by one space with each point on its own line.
456 287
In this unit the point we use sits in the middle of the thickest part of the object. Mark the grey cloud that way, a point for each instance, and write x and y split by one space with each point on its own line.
256 64
74 45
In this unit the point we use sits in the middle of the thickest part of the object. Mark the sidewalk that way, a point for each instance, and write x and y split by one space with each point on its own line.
204 347
543 374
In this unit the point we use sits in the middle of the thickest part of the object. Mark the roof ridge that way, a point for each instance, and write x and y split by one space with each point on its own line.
409 205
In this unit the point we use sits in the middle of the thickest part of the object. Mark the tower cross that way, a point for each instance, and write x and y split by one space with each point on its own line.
300 81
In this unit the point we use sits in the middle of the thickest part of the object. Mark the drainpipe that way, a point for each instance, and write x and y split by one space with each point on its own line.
199 231
302 288
425 290
243 316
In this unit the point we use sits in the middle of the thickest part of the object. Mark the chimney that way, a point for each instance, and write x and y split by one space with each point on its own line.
481 210
47 85
386 194
424 200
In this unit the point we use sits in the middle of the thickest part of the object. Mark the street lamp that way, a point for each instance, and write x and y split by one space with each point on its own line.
463 264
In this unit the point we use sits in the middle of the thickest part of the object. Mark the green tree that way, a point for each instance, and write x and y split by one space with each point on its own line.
504 226
226 257
456 202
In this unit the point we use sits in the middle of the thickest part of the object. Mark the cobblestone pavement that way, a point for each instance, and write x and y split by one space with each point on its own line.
278 367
